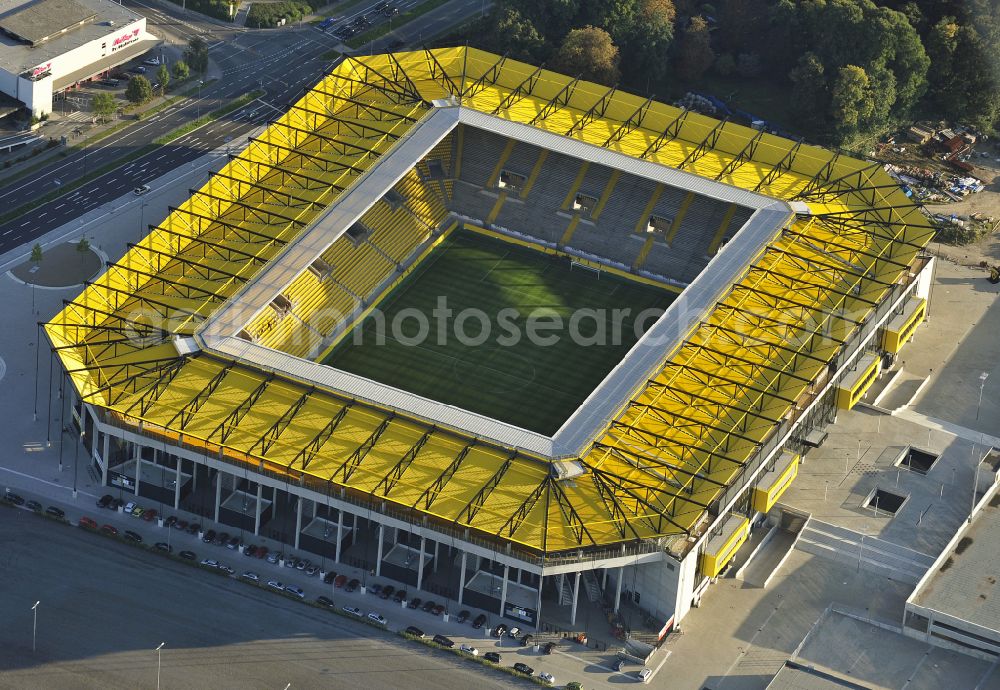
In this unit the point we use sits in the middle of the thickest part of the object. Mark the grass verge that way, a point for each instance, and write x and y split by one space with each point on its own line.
205 119
386 27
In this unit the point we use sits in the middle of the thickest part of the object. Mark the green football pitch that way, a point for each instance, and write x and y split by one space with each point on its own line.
500 353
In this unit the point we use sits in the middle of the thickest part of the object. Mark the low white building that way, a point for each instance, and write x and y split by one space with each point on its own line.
49 45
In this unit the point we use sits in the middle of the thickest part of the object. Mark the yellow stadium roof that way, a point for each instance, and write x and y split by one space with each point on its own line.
732 384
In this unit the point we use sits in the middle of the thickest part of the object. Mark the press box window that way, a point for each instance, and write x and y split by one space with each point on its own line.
511 181
659 224
584 203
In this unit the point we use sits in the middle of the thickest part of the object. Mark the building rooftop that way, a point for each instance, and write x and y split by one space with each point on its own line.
658 463
794 676
964 585
53 27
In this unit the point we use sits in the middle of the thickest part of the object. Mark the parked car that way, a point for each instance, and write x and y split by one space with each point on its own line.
138 511
526 640
340 581
312 570
428 606
479 621
222 538
226 569
462 616
353 585
193 528
302 564
163 546
414 603
210 562
209 536
296 591
87 523
141 189
514 632
149 515
353 610
469 649
170 521
521 667
376 618
618 664
499 630
400 596
250 550
547 677
375 588
438 609
110 530
55 512
273 557
153 62
549 646
138 69
324 601
329 578
492 657
233 543
33 505
116 504
387 591
644 675
414 630
129 507
250 575
261 552
188 555
103 502
16 499
181 525
443 641
276 584
133 536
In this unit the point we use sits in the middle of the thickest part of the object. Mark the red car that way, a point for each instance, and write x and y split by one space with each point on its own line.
149 515
87 522
340 581
261 552
110 530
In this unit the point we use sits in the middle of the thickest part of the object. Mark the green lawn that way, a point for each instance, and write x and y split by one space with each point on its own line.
521 380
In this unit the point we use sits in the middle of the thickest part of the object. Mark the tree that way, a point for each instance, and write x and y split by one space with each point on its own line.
646 39
724 65
514 33
163 76
196 54
36 254
694 48
83 246
103 105
748 65
590 53
181 70
810 98
852 101
139 90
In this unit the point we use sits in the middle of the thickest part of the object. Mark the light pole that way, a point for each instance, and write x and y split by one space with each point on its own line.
201 83
982 383
158 656
34 626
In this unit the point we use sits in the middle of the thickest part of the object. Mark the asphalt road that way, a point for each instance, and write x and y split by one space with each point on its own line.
106 606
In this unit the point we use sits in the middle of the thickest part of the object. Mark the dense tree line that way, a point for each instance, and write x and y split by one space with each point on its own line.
851 68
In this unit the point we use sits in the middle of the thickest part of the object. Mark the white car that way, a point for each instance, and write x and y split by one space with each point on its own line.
210 562
514 632
469 649
151 61
644 675
249 575
353 610
547 677
376 618
297 591
225 568
139 191
274 584
129 507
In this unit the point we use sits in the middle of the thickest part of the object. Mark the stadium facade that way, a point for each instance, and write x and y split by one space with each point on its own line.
195 367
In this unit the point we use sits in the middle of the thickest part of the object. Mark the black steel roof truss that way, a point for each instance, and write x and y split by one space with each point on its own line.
338 146
298 174
182 289
821 177
806 307
573 519
311 449
275 193
798 283
169 310
712 378
473 506
440 74
156 390
348 467
808 261
745 154
224 252
738 337
191 407
267 239
669 133
133 371
281 423
560 100
853 181
434 489
390 87
393 476
233 419
515 521
252 209
706 144
598 109
614 508
644 436
783 165
851 250
661 511
398 71
666 416
686 486
634 121
200 269
486 78
726 407
525 88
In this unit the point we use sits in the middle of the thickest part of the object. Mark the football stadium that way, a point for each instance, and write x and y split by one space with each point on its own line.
492 331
